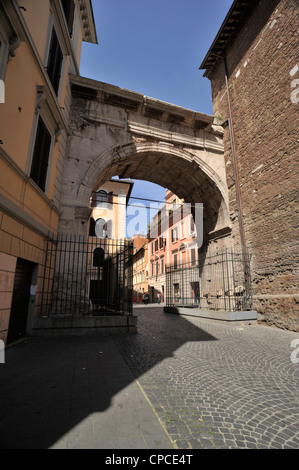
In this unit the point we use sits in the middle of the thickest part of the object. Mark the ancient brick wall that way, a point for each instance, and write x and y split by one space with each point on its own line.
263 70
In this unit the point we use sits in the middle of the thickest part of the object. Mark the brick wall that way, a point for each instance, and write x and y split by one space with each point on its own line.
263 65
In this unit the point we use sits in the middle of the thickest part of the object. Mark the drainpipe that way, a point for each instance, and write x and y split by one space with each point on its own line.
237 180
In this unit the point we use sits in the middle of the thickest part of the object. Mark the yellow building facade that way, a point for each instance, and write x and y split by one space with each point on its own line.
40 46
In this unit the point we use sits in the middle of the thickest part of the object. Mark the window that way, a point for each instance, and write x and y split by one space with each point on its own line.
92 227
183 230
152 248
156 245
175 261
101 228
41 153
177 292
98 257
69 10
54 61
192 225
152 269
157 268
102 198
174 235
162 242
162 265
193 257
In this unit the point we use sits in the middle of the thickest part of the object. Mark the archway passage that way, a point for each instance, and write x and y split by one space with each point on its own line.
120 133
117 132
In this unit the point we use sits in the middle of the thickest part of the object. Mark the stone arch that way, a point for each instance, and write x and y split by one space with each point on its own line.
184 173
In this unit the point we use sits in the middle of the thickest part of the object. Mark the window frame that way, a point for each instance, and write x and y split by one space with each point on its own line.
175 257
174 230
57 78
38 173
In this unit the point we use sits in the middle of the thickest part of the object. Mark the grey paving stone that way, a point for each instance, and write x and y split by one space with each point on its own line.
208 385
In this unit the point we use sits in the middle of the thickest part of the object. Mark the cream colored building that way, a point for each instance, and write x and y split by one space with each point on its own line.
109 204
40 46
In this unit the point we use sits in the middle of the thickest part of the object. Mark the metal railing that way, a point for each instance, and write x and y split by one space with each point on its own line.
218 282
87 275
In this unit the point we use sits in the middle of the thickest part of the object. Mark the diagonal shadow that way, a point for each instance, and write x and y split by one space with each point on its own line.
50 385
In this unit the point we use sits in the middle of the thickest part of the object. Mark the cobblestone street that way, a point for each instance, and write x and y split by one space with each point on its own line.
178 383
215 385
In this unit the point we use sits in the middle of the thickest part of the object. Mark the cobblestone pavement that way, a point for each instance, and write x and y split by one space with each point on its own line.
215 385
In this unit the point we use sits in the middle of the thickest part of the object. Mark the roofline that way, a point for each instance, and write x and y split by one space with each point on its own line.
129 182
101 90
87 21
235 16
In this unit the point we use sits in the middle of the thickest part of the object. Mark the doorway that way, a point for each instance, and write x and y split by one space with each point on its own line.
20 300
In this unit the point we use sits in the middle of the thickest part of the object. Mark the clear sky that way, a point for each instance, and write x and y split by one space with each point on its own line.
155 47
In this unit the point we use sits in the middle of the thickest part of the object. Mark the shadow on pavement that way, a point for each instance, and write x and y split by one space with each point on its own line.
50 385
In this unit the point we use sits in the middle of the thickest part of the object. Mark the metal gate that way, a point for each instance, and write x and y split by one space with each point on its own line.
218 282
87 275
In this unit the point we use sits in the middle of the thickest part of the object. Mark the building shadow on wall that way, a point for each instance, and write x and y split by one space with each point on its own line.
50 385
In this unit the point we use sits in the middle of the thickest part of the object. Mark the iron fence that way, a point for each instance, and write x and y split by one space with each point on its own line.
87 275
218 282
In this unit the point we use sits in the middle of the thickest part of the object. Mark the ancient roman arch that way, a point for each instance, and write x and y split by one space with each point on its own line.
117 132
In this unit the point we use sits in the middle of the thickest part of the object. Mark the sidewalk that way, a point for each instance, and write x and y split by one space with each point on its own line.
74 393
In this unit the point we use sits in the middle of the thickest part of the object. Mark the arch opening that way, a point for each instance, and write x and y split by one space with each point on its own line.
187 176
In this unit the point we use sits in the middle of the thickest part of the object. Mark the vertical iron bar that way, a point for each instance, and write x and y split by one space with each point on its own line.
228 284
223 283
234 281
45 267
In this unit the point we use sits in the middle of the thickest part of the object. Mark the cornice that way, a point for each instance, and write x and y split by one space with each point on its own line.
87 21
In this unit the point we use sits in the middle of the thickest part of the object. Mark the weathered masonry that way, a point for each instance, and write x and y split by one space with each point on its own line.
117 132
254 71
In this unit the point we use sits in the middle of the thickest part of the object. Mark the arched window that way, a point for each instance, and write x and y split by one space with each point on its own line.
101 228
102 197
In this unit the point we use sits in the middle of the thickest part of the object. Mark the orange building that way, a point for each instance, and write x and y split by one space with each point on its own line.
171 244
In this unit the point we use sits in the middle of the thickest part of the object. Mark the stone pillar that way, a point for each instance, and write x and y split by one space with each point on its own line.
74 220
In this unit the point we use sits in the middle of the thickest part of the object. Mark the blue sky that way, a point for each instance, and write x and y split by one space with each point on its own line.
155 47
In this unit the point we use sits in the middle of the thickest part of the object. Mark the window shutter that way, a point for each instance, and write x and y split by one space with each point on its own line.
40 158
110 198
54 61
92 227
71 17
